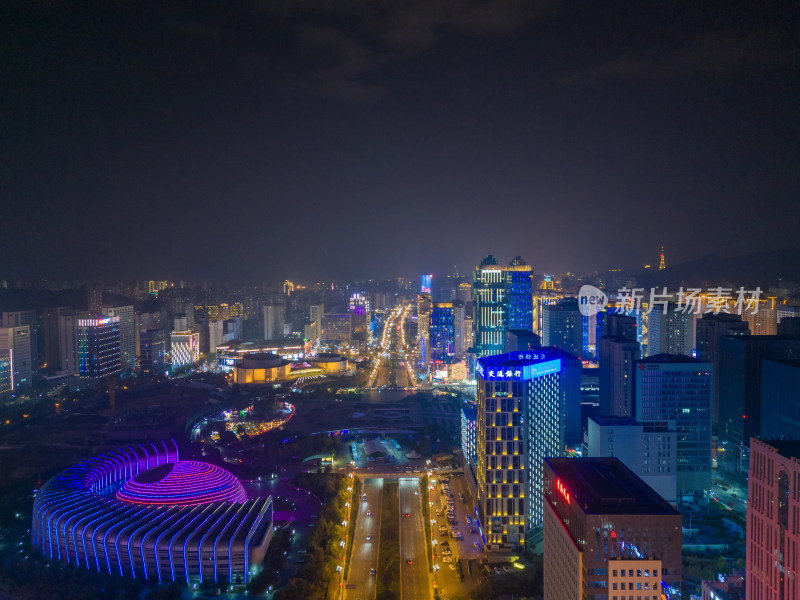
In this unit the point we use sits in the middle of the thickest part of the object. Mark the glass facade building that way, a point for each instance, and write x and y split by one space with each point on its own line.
99 348
502 300
528 407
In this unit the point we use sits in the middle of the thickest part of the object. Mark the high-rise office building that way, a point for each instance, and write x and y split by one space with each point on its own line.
780 399
763 321
464 293
528 408
501 300
617 325
469 436
337 329
127 334
521 340
458 330
607 534
184 349
426 284
647 449
773 503
315 316
469 333
616 357
361 316
424 308
711 328
18 341
60 339
99 348
562 326
6 374
30 318
274 316
216 330
740 379
670 332
677 389
152 351
442 335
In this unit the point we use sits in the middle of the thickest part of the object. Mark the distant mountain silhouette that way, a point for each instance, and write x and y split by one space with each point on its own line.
765 269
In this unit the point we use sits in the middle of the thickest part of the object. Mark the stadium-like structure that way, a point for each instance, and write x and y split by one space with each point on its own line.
142 512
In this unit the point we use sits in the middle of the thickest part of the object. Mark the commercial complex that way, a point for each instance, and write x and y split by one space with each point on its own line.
171 520
528 408
607 535
260 368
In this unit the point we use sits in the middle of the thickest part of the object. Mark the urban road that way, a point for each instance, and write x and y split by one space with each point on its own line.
364 560
414 575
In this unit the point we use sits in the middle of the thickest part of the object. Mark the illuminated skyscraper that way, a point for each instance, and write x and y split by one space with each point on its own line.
6 374
99 349
30 318
528 408
18 341
424 307
502 300
426 284
442 335
184 349
458 330
362 316
126 334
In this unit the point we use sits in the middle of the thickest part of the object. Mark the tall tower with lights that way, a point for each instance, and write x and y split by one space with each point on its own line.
661 265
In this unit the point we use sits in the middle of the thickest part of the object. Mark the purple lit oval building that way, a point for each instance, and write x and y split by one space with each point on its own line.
142 512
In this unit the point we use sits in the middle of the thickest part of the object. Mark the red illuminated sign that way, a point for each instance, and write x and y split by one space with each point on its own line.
560 487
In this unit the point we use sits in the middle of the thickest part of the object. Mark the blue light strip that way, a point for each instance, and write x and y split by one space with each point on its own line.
74 508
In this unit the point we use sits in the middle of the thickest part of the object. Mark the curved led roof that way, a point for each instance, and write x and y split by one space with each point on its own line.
183 483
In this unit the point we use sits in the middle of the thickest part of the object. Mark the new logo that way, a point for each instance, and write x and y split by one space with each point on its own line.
591 300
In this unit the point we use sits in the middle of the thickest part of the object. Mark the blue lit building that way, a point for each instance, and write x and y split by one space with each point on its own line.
528 408
502 300
442 334
469 435
425 284
99 347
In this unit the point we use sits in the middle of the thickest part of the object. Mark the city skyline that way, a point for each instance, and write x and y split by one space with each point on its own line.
589 136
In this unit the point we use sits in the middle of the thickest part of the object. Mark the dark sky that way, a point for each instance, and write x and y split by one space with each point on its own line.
257 140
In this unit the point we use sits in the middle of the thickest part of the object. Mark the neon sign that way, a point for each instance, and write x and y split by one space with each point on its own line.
560 487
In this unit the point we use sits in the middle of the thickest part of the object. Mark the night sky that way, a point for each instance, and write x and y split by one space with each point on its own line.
259 140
